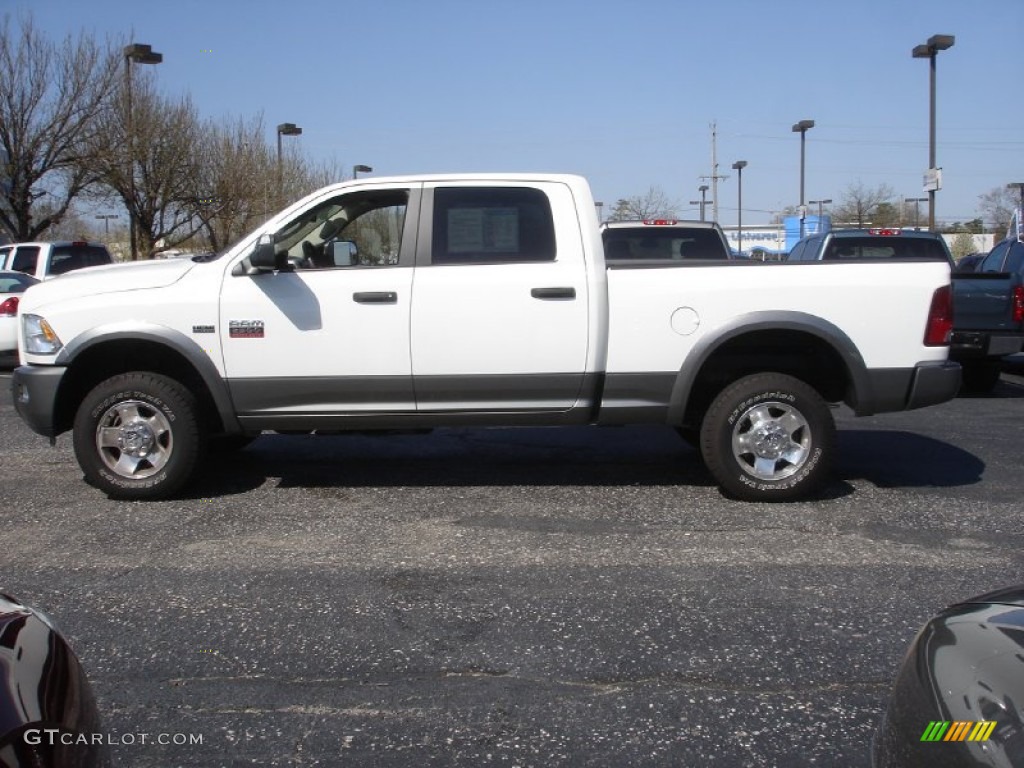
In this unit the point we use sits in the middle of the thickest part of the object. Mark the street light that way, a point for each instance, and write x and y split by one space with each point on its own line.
703 202
140 54
917 208
357 169
106 220
284 129
599 207
738 166
802 127
928 51
820 203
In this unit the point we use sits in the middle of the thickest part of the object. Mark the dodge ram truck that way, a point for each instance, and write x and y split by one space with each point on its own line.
472 300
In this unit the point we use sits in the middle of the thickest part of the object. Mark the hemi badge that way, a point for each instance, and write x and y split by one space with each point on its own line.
203 329
245 329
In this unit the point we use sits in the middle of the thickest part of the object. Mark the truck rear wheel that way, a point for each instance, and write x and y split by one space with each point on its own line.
980 376
136 436
769 437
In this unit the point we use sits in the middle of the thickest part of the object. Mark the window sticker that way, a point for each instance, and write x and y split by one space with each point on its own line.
483 230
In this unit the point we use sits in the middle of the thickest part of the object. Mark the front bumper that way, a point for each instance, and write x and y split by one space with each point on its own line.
34 390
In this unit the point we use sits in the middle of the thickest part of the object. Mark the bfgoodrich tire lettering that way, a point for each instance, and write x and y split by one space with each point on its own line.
769 437
136 436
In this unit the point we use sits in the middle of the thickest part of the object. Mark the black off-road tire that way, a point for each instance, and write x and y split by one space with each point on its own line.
137 436
225 445
769 437
980 376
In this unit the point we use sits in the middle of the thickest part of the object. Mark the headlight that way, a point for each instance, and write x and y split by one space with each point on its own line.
40 338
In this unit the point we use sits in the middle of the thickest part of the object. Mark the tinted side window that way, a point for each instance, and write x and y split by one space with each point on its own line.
491 225
1015 261
994 261
25 259
66 258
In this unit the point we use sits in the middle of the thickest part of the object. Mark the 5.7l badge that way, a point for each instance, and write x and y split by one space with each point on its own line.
245 329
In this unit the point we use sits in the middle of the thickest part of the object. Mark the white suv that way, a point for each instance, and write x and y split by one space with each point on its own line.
46 260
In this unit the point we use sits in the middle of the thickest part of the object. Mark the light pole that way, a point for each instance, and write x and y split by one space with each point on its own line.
917 208
140 54
802 127
738 166
284 129
357 169
106 220
703 202
599 207
820 204
928 51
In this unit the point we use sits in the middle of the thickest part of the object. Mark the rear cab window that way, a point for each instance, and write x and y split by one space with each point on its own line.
655 242
70 256
871 247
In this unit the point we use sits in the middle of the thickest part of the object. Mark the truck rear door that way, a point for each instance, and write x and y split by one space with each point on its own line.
500 299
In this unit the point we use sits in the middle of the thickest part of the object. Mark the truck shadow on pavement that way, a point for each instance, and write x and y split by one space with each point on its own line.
897 459
626 456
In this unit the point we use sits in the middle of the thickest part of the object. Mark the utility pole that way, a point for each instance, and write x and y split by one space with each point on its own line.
714 177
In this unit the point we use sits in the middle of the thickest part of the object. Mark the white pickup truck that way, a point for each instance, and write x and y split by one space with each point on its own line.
486 300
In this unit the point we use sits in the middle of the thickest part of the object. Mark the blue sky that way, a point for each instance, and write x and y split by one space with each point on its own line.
623 93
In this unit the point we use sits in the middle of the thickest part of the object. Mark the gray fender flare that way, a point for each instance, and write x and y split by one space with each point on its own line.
168 337
774 320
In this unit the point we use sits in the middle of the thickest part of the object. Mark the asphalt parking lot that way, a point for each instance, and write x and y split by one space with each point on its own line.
516 598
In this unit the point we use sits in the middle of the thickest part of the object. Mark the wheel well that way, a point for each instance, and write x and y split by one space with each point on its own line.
111 358
797 353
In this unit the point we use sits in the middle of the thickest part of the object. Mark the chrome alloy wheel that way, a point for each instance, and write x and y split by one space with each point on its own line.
771 440
134 439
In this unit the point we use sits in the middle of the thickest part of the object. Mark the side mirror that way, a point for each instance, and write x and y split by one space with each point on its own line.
264 256
342 253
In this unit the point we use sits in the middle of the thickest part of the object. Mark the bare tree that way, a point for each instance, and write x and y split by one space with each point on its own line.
860 203
997 207
236 178
653 205
162 154
51 100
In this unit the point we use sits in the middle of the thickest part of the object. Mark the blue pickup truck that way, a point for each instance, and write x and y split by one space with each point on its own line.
988 304
988 314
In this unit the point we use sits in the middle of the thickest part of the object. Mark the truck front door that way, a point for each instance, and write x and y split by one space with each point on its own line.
327 338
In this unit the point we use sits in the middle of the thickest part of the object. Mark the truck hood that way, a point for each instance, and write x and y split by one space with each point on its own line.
94 281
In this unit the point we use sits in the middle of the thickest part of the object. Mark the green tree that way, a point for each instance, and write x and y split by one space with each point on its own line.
962 245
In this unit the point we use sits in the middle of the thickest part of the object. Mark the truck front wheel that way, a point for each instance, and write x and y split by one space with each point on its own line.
769 437
136 436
